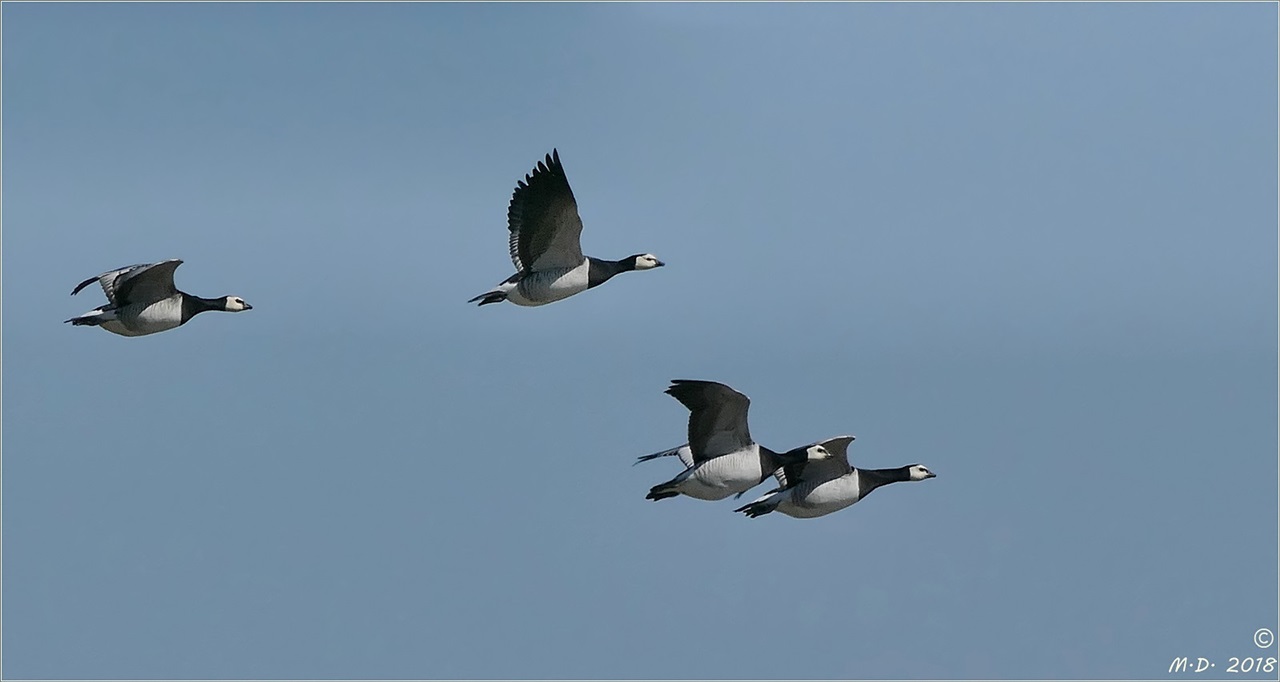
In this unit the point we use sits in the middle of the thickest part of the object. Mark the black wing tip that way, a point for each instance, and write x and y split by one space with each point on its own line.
696 383
550 165
80 287
684 385
551 162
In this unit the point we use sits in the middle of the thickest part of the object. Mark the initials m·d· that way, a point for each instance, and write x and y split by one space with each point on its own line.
1180 665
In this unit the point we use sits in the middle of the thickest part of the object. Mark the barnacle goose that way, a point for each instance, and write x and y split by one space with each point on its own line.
817 486
143 300
720 458
544 244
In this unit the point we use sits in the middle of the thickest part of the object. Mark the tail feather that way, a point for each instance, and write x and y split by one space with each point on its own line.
662 491
761 506
93 317
499 293
495 296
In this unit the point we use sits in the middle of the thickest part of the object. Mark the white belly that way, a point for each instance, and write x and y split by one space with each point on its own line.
549 286
723 476
825 498
117 327
140 321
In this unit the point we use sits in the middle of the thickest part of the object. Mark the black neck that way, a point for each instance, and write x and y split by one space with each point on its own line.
194 305
870 479
789 457
772 459
791 462
600 271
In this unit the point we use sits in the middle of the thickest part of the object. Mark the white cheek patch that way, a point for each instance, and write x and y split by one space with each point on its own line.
646 262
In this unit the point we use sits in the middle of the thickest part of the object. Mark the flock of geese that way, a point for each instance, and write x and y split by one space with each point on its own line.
720 458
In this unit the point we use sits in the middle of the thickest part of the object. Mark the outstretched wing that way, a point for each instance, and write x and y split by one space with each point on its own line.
717 417
147 284
111 280
543 220
817 470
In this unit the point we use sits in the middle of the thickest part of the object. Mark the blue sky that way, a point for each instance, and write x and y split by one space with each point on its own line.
1031 246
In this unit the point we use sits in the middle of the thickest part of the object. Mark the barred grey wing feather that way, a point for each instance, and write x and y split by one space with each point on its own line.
789 472
683 453
108 281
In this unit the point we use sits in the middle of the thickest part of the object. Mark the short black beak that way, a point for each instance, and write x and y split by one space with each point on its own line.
248 307
659 264
931 475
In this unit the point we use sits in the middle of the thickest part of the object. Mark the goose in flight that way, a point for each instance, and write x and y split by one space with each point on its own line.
817 486
143 300
720 459
544 244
